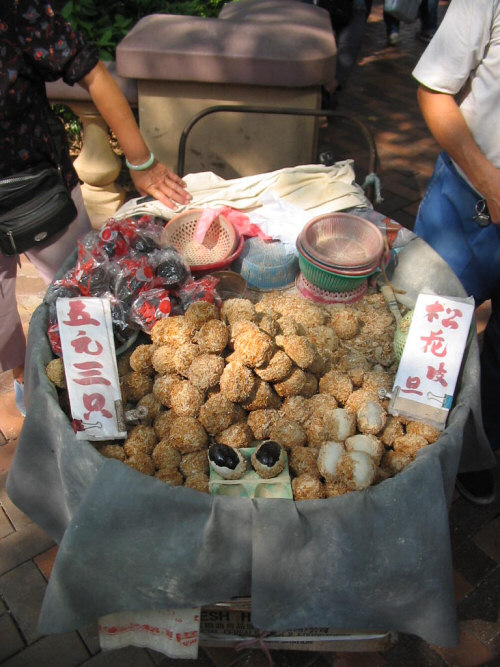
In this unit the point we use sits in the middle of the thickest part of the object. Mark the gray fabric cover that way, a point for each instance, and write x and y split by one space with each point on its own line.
378 560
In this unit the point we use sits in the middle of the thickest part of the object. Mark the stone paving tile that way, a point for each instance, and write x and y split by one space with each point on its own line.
126 657
52 651
45 561
488 539
469 653
21 546
11 420
17 518
23 589
11 640
6 528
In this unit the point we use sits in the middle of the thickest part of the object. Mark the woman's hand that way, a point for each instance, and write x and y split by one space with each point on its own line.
162 184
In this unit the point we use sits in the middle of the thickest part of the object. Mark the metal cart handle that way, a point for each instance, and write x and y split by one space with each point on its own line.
232 108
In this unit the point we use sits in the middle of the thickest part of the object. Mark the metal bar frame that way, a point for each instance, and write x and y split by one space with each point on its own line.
373 161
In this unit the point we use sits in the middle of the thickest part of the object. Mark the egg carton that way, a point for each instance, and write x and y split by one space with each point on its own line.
250 485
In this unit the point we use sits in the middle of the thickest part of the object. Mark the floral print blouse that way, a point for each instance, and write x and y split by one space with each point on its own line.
36 45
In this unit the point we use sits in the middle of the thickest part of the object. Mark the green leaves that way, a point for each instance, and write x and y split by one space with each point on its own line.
107 28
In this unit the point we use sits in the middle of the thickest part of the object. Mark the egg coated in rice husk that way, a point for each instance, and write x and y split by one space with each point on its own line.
199 312
430 433
162 359
163 423
303 460
55 372
392 430
262 396
277 368
375 380
216 414
183 357
356 469
394 462
300 350
165 455
341 424
140 359
410 443
162 388
367 443
152 405
239 327
237 435
268 324
135 385
205 371
307 487
297 408
255 348
173 331
141 462
213 336
371 417
310 386
194 462
112 452
321 402
170 476
186 399
329 455
199 481
268 459
345 323
261 422
336 488
323 337
358 398
141 436
289 327
337 384
292 385
187 435
236 309
237 382
288 433
226 461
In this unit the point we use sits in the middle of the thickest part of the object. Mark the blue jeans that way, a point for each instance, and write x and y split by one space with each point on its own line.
445 221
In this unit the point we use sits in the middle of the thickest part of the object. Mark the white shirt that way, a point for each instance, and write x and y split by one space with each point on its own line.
463 59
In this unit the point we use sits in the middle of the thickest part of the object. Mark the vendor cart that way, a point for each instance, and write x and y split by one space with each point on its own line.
342 573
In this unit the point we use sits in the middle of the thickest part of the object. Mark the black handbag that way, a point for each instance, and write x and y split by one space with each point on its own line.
34 205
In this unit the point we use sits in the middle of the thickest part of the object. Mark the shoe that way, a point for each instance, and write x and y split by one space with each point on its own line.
19 396
425 36
478 486
394 39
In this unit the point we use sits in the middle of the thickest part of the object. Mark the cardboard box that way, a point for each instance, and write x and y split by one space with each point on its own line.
224 626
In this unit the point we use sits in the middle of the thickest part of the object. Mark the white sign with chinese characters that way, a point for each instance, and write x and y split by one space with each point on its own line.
90 367
431 359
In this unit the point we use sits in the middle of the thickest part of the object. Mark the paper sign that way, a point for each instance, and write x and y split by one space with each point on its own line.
90 367
431 359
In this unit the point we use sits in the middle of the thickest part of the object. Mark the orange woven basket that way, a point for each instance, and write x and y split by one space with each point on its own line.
219 243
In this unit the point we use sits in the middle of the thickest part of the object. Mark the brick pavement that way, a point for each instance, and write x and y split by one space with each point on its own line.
382 94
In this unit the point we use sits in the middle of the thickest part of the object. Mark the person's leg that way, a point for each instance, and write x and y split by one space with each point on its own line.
12 339
48 258
392 29
428 19
349 42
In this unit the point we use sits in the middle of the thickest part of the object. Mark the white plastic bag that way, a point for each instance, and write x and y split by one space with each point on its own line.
403 10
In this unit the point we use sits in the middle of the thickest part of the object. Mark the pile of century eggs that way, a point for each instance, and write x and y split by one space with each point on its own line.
284 375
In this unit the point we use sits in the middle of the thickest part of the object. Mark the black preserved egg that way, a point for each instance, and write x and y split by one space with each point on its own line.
268 453
223 456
